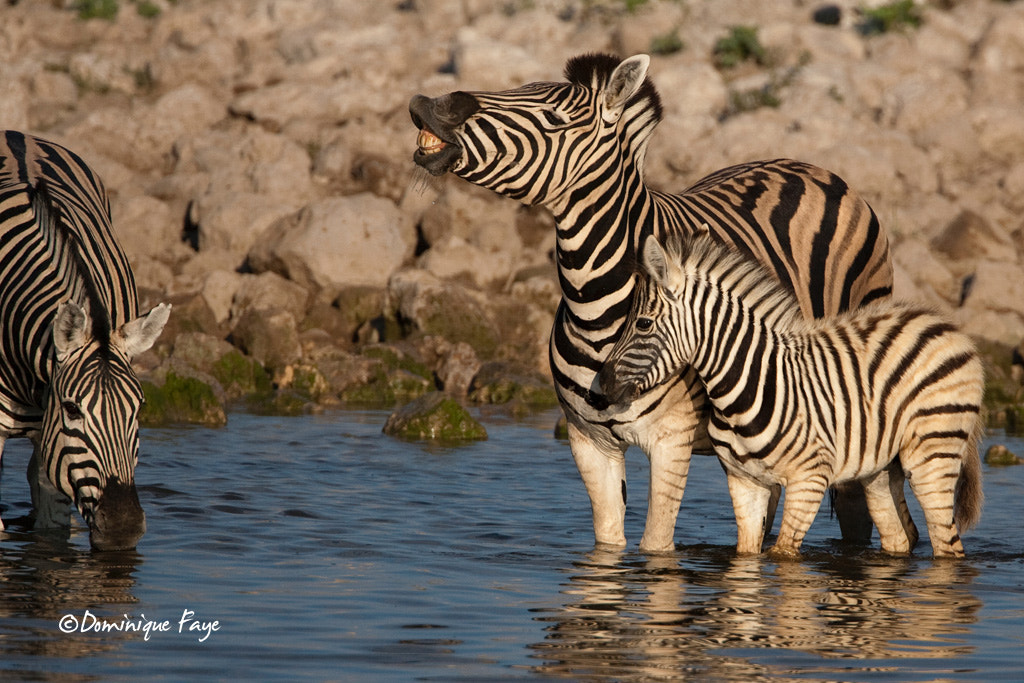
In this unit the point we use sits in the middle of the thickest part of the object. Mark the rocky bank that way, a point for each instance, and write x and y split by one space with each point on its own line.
258 159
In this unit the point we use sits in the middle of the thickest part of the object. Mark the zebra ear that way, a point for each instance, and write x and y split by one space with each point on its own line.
140 334
655 261
623 84
71 329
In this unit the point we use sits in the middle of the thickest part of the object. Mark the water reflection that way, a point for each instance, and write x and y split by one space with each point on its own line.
43 578
712 613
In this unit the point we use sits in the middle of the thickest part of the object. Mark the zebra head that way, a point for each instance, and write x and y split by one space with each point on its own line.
539 141
653 346
90 441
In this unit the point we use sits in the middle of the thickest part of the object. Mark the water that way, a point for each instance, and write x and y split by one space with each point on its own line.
324 550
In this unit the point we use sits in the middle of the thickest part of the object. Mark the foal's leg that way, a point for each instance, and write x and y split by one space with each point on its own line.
889 511
803 498
934 468
750 502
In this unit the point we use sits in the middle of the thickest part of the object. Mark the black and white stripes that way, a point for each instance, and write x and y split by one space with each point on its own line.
867 395
578 148
68 311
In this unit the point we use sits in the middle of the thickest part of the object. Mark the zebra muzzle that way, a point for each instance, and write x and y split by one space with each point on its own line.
119 521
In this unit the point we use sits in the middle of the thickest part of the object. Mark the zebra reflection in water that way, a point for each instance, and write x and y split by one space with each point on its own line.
717 615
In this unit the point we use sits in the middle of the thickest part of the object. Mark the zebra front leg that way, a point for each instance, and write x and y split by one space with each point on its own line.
604 475
803 498
52 509
670 466
750 503
888 508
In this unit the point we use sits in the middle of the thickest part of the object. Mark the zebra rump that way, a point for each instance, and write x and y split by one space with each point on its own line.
873 395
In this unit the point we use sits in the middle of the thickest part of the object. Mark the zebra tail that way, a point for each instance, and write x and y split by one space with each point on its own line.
969 496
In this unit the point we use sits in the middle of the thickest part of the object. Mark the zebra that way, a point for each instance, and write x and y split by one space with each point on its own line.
68 310
807 404
578 148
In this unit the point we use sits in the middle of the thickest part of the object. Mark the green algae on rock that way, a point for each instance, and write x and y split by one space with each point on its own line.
434 417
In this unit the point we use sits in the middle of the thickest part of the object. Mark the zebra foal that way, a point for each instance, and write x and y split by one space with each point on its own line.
578 149
68 311
867 395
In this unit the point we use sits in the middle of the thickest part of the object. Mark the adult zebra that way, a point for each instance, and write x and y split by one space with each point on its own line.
68 310
578 149
818 402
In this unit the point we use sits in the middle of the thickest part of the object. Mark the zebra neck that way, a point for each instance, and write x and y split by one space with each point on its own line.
599 230
735 347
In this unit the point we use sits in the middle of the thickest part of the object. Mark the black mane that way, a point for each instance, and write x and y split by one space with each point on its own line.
596 68
67 250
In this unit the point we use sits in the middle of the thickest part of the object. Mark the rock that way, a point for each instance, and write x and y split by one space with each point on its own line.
270 336
333 243
457 369
177 394
434 417
1001 456
970 236
828 15
499 383
430 307
269 291
235 220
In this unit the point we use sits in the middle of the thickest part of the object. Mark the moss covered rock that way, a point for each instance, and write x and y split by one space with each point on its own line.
395 377
1001 456
434 417
501 383
181 399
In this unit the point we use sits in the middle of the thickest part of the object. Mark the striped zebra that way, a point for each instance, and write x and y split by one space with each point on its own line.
808 404
578 149
68 310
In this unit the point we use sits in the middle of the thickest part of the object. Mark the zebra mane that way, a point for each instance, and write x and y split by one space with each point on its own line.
704 257
65 248
594 70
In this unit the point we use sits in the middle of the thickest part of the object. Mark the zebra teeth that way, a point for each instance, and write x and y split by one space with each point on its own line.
429 143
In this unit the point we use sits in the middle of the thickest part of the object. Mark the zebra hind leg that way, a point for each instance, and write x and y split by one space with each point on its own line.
934 468
803 498
889 512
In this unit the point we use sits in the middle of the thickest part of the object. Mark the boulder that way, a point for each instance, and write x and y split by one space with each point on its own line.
434 417
337 242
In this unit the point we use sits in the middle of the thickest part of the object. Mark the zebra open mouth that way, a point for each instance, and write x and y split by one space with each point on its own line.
429 143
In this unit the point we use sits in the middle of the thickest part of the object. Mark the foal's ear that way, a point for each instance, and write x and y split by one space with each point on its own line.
655 261
623 84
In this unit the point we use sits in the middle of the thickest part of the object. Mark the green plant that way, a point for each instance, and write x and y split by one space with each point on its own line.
885 18
96 9
147 9
740 45
667 43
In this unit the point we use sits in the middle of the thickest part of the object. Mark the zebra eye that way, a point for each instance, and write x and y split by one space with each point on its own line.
644 324
71 410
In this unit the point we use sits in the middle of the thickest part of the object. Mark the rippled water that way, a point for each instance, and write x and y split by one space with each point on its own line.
324 550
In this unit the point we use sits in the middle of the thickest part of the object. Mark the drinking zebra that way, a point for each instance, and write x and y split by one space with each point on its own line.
808 404
578 149
68 310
